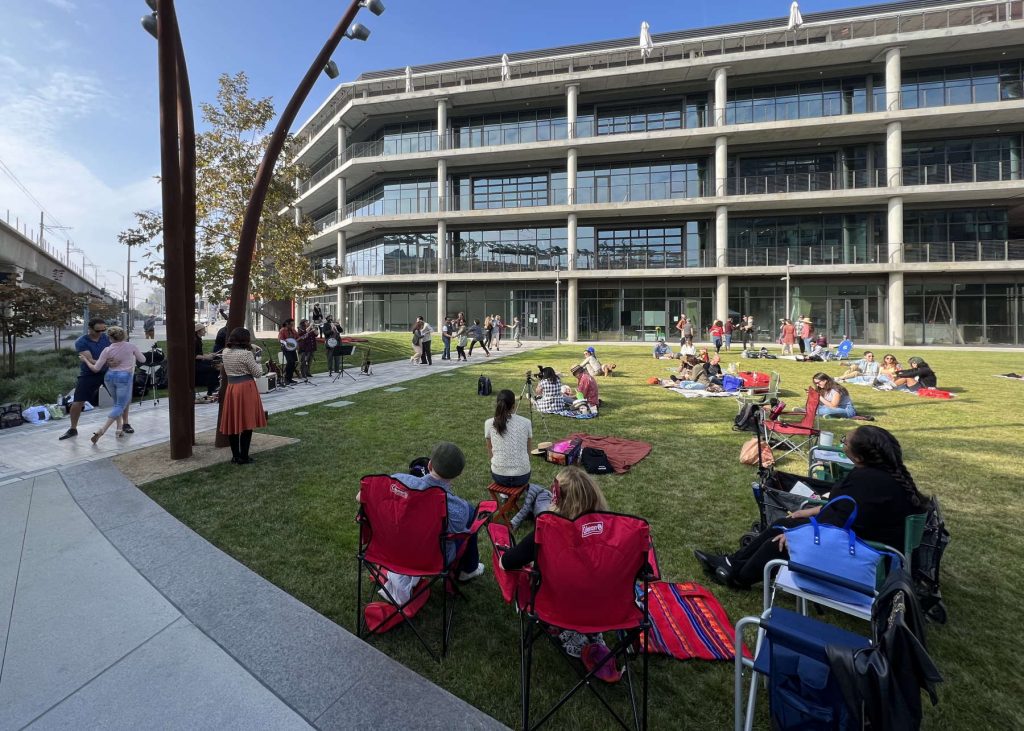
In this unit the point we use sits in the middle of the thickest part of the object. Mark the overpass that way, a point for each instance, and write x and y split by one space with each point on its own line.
38 262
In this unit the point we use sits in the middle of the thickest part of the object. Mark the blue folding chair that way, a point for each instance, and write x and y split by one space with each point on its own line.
843 350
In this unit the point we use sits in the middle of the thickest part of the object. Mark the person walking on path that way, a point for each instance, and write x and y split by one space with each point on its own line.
461 338
517 331
426 334
488 333
476 334
417 343
88 346
716 331
243 409
118 359
149 327
498 327
446 338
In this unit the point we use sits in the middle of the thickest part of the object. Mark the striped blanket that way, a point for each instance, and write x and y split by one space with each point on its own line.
687 622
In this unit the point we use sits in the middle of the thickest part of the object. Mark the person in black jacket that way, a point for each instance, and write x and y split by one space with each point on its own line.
919 375
880 485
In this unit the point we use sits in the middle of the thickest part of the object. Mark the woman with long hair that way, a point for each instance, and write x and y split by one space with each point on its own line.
508 438
119 358
243 409
887 370
575 494
417 343
881 486
787 337
835 399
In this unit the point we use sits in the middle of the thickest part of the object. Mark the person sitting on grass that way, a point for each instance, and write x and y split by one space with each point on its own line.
587 387
887 371
863 372
549 392
662 351
879 482
835 399
594 366
694 377
574 493
817 353
919 375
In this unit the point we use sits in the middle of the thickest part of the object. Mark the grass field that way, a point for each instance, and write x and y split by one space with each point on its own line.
294 524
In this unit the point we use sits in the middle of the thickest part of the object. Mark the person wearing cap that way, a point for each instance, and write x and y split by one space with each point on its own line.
661 350
593 365
586 385
206 373
446 463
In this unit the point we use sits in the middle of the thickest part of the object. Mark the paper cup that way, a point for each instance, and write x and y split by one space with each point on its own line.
825 439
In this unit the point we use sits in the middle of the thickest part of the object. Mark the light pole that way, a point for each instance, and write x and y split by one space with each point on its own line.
123 294
786 280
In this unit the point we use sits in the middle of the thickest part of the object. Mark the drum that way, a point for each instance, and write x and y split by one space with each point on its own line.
332 342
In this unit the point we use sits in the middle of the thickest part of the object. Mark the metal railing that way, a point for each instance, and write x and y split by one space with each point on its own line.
325 222
962 172
640 259
811 33
425 203
630 193
760 256
476 265
953 251
804 182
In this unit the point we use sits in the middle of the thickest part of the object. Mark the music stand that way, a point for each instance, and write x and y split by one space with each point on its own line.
342 350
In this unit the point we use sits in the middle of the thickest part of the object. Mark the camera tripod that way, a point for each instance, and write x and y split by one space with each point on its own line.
526 394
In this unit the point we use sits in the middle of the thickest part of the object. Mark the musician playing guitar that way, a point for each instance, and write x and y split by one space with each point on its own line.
288 336
307 347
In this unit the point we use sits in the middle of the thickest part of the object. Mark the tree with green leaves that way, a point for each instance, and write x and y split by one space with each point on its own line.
60 307
228 154
21 315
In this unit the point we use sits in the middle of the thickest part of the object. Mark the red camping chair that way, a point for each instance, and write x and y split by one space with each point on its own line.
405 531
590 568
794 436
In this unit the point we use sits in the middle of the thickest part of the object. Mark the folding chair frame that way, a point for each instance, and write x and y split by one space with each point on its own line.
448 573
800 440
532 627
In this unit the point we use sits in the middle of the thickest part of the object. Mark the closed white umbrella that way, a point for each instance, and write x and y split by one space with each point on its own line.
795 19
506 70
408 79
646 44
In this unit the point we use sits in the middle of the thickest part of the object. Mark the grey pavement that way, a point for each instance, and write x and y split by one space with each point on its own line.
114 615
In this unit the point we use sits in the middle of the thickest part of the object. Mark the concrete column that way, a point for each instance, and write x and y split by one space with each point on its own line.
442 306
894 154
893 79
894 230
298 215
570 176
722 297
341 249
339 306
721 164
572 313
442 122
721 236
895 307
442 184
442 247
721 76
342 135
572 93
571 236
341 192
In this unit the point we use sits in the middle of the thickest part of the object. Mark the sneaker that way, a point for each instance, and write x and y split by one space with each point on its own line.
127 429
594 654
470 575
572 642
68 434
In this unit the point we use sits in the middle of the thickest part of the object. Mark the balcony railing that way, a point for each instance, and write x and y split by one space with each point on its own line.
953 251
640 259
759 256
804 182
325 222
426 203
962 172
811 33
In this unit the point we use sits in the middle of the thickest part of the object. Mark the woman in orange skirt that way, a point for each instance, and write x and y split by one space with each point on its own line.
242 409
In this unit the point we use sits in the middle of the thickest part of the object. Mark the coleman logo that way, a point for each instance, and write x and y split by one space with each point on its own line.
592 529
399 491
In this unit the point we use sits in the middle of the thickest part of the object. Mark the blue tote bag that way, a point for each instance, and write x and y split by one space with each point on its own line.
831 561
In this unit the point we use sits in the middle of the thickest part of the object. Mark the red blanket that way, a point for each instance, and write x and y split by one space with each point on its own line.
622 453
687 622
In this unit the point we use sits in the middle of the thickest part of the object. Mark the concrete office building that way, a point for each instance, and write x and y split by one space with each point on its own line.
872 156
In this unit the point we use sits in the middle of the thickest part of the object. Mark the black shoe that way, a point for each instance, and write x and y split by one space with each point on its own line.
127 429
704 559
68 434
719 566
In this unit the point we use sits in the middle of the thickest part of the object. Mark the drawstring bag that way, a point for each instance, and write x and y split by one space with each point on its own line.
830 560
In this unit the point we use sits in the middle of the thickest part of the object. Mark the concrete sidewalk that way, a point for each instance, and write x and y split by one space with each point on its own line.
115 615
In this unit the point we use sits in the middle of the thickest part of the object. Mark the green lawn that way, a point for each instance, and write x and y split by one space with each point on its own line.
294 525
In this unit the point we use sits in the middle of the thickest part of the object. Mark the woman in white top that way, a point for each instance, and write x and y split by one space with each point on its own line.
119 358
509 439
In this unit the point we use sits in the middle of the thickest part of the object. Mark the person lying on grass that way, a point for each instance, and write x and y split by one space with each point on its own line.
574 494
885 494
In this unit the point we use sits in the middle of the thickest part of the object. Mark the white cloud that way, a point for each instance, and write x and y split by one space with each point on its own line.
65 5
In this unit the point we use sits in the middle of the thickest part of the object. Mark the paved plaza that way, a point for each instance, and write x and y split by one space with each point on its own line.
115 615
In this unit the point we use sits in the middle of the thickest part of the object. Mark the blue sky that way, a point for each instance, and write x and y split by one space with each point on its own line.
78 106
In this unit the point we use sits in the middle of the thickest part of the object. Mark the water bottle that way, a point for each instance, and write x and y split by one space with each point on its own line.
732 369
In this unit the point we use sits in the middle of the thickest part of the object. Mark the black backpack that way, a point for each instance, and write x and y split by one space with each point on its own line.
483 386
746 420
926 561
595 461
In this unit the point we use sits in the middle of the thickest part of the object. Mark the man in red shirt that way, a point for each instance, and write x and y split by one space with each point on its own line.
586 384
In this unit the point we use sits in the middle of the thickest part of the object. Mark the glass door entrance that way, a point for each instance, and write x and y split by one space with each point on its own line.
689 306
538 318
846 319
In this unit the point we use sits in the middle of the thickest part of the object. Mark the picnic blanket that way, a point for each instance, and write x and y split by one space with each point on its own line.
622 453
702 394
687 622
569 413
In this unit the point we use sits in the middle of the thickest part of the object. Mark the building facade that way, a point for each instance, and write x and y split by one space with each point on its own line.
864 169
